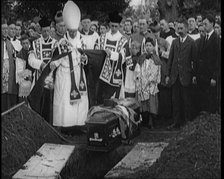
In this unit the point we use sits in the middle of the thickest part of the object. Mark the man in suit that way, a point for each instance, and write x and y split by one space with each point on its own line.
180 74
9 87
208 67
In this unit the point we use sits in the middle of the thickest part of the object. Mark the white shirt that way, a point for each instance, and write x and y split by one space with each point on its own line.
183 39
6 55
16 44
114 37
210 33
89 40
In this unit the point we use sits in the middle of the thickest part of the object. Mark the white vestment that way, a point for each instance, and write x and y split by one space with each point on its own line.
66 114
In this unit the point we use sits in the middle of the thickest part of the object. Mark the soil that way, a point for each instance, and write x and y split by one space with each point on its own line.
23 133
193 152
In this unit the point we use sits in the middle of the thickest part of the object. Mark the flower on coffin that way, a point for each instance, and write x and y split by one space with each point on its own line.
118 72
74 94
82 85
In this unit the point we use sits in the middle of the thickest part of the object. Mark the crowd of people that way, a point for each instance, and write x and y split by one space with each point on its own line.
171 68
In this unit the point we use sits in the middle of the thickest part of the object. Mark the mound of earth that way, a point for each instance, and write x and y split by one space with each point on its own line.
23 133
194 153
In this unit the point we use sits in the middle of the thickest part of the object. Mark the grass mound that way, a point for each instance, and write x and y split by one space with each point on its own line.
194 153
23 133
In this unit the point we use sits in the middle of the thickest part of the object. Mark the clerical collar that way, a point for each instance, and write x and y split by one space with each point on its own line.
47 39
12 38
90 32
128 33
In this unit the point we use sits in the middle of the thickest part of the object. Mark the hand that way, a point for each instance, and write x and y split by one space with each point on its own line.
84 59
167 80
42 66
52 66
213 82
161 51
108 52
194 80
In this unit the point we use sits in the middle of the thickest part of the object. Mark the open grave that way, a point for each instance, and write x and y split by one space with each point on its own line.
192 152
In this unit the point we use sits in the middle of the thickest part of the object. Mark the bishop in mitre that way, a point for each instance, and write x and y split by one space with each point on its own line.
70 104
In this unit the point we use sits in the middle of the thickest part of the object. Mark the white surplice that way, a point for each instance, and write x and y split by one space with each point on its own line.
64 113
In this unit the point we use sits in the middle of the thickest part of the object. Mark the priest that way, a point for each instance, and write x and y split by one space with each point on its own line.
118 58
39 56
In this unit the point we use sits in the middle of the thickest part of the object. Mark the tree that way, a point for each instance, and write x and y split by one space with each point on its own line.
28 9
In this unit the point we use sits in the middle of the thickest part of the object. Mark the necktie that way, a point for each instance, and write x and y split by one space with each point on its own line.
206 39
182 40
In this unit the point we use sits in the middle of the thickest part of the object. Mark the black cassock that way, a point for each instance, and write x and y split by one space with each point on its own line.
41 98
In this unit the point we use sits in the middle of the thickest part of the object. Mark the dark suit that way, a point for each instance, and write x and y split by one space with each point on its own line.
165 100
180 70
207 68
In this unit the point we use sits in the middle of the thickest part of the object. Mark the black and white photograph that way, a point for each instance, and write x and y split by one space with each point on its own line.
111 89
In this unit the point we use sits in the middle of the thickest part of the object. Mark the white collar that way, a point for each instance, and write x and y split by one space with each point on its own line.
115 36
183 38
210 33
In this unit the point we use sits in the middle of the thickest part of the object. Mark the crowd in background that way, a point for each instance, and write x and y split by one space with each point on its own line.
182 80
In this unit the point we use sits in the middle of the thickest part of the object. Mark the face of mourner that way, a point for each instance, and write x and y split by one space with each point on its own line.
46 32
86 23
217 28
61 28
191 23
103 29
143 25
72 33
114 27
127 26
208 25
149 47
182 29
135 48
201 30
18 30
4 30
12 30
25 44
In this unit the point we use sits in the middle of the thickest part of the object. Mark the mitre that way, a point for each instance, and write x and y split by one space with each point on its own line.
71 15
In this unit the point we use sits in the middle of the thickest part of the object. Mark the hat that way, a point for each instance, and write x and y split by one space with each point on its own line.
24 37
85 17
58 17
44 22
71 15
115 17
155 27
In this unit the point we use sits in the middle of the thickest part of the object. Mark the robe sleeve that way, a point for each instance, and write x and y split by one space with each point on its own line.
33 61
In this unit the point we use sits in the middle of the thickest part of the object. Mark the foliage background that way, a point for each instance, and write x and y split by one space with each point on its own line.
99 9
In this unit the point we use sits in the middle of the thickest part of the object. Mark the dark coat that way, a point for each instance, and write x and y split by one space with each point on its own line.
12 86
208 60
181 61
